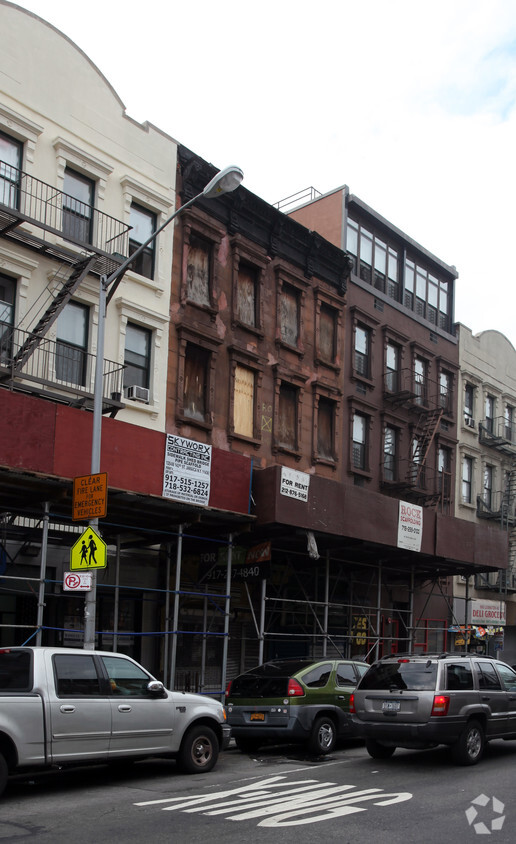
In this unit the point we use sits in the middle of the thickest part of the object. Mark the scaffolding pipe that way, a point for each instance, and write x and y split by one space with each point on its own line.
378 613
411 611
42 575
116 608
204 640
261 635
173 659
326 600
167 616
227 607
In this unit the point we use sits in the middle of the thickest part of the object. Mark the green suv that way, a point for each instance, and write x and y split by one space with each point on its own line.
293 700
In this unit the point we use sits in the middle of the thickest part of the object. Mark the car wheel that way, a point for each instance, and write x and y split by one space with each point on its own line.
199 750
248 745
377 750
324 735
469 747
3 774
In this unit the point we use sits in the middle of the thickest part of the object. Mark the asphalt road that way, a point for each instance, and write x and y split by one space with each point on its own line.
271 797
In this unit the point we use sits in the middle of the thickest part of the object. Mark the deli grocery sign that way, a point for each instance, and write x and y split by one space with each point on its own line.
481 613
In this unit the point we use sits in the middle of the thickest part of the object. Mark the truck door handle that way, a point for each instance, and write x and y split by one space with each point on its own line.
124 707
486 697
67 708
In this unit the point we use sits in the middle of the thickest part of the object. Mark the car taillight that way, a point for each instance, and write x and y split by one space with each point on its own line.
441 704
294 689
228 688
352 703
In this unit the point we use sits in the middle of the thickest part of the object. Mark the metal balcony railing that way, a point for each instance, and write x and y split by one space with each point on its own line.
498 506
58 370
299 198
406 386
421 482
498 432
23 198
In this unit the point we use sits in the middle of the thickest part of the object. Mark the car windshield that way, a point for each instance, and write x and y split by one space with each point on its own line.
267 680
391 676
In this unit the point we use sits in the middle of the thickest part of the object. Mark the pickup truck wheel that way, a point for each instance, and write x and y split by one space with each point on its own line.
199 750
3 774
324 735
377 750
469 747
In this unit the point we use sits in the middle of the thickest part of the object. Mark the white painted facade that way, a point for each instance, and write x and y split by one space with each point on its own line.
56 102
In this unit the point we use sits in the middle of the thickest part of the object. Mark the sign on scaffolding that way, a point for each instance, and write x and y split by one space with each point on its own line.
89 497
187 471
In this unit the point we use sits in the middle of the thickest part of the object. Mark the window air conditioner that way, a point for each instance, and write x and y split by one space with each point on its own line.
138 393
469 421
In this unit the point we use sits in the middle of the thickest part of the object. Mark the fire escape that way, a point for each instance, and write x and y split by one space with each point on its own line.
500 505
46 221
414 477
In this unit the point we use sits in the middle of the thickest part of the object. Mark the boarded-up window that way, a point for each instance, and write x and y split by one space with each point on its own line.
327 333
195 383
198 270
287 416
246 294
289 315
244 401
325 429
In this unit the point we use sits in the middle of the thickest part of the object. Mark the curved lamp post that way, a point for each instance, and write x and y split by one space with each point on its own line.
225 181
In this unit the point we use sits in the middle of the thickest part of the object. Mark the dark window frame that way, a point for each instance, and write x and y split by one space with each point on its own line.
144 264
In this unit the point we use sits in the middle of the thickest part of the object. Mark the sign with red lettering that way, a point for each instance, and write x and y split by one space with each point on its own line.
410 526
89 497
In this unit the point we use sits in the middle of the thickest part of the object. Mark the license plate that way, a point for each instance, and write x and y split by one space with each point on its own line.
391 705
257 716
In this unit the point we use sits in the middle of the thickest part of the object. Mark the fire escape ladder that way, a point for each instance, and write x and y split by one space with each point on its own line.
79 272
423 437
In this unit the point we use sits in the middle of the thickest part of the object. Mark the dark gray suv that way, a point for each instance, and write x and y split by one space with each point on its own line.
424 700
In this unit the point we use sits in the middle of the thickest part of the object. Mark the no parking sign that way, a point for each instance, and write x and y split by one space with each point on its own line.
74 582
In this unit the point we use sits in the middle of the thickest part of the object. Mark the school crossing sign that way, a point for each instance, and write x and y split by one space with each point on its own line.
89 552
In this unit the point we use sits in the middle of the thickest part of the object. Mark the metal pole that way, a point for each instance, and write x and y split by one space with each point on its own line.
42 575
378 611
90 599
227 607
116 608
411 612
175 620
466 614
204 642
262 623
167 617
326 599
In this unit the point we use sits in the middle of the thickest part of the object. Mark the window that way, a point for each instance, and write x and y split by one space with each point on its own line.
244 401
445 394
72 343
469 395
489 414
509 423
389 454
346 675
427 295
137 356
467 480
247 294
7 300
376 262
487 494
198 271
126 678
195 399
420 380
359 441
10 164
143 224
487 676
287 416
289 315
326 429
318 677
392 368
76 676
327 333
78 198
362 358
444 471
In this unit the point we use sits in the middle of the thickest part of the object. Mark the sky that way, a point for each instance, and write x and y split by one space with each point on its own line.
410 103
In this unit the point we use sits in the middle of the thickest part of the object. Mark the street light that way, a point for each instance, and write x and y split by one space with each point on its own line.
225 181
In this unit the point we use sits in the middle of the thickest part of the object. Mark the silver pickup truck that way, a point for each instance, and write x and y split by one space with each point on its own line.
62 706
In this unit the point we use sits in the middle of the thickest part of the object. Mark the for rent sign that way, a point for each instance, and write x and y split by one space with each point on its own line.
410 526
